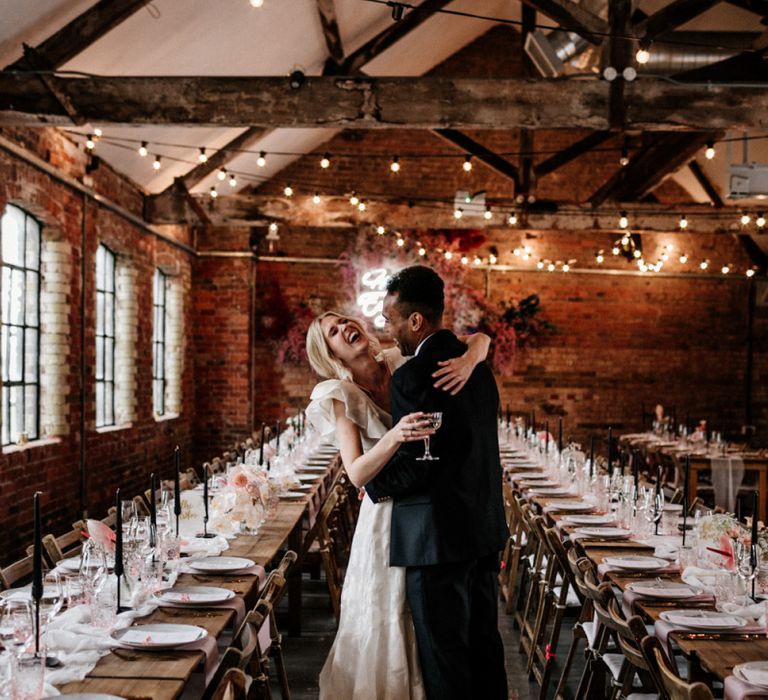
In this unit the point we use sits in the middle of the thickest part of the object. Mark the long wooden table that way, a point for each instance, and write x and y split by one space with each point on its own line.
162 675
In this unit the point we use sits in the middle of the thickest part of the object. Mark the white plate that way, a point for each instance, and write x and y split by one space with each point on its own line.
673 507
666 590
552 491
307 477
530 476
754 672
159 636
311 469
218 565
194 596
703 619
588 519
604 532
87 696
570 505
636 562
291 495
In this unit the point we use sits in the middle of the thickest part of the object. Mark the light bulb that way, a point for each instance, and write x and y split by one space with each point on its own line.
143 149
566 267
665 257
704 264
458 213
464 259
288 191
551 267
361 206
214 193
540 264
637 254
760 220
354 200
643 55
683 223
394 166
492 259
683 259
624 159
750 273
488 214
615 250
203 158
256 3
316 198
600 258
221 175
512 220
90 144
745 219
467 164
156 163
709 154
98 133
477 261
422 252
670 247
517 252
273 227
381 230
325 161
725 269
232 180
400 242
448 254
623 220
261 161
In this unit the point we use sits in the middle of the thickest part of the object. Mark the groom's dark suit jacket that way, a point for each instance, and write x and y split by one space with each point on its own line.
449 510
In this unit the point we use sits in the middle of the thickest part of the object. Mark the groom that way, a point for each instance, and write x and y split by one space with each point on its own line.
448 521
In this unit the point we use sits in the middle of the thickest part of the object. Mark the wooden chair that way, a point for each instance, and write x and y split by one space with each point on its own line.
330 547
674 687
192 478
233 686
111 519
530 567
17 573
536 581
631 633
231 658
68 545
513 550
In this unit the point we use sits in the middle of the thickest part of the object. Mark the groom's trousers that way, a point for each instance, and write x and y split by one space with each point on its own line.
455 614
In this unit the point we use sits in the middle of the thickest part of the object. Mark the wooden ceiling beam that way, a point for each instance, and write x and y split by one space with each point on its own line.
672 16
365 102
468 145
571 152
619 51
759 7
706 184
81 32
335 211
354 63
326 9
663 154
573 18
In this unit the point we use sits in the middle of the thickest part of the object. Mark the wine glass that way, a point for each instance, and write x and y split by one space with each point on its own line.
654 508
746 556
16 625
434 421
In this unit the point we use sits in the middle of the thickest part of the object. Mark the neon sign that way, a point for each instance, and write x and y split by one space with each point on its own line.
370 300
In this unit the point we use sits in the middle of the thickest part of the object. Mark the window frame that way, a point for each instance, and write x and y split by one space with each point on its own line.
104 422
5 395
160 280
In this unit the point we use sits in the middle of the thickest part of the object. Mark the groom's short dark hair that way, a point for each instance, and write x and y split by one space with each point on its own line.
418 288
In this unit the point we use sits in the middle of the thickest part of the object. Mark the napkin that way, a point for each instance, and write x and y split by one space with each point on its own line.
204 547
736 689
137 635
754 611
700 578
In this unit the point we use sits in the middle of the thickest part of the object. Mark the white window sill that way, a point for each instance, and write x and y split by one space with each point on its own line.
42 442
166 416
113 428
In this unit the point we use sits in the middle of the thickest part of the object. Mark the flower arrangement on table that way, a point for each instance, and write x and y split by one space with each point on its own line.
245 502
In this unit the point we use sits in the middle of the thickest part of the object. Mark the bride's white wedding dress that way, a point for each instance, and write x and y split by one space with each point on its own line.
374 655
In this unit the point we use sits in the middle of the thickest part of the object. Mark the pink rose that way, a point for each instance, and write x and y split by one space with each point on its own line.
238 478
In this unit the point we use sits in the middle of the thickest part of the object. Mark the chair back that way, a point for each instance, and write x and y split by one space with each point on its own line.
233 686
231 658
17 573
674 687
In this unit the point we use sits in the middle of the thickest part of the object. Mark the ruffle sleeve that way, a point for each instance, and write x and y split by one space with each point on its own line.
358 407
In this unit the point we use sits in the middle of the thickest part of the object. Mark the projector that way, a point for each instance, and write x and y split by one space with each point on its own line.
748 180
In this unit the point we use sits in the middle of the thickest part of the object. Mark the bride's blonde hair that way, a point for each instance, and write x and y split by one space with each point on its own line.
321 359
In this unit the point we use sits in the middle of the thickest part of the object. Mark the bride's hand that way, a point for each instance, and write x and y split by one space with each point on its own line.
453 374
412 427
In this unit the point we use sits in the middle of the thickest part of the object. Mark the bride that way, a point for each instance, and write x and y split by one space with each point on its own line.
374 655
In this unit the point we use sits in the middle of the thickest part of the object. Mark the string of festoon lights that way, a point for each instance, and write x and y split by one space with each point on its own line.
625 246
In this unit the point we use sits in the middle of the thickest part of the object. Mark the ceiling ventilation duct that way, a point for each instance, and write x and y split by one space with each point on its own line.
691 50
550 52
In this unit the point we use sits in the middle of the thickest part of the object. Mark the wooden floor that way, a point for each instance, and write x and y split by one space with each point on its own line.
305 655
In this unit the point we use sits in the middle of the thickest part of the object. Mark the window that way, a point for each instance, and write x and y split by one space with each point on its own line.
105 337
159 345
20 325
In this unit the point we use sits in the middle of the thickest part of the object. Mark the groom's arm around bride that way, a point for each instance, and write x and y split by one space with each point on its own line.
448 522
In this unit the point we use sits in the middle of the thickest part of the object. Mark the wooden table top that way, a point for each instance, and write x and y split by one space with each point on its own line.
129 688
718 656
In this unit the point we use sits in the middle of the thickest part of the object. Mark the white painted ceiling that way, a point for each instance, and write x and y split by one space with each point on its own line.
229 37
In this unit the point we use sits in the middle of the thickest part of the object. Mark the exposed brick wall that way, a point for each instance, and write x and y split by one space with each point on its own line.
120 457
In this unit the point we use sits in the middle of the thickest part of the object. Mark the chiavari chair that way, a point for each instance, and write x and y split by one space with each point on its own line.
674 687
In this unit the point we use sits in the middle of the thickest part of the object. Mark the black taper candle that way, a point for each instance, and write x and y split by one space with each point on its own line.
610 453
753 540
277 437
152 509
636 473
37 568
533 420
591 455
509 415
560 434
656 500
177 486
642 417
686 481
261 445
118 545
546 436
754 517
